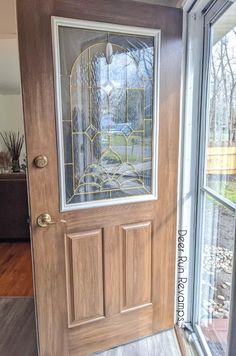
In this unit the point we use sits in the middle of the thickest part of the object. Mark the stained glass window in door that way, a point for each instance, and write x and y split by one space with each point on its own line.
107 82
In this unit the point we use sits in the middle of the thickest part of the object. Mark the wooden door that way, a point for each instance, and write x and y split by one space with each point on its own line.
104 274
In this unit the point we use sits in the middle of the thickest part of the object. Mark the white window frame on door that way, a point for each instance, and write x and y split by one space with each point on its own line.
56 22
198 15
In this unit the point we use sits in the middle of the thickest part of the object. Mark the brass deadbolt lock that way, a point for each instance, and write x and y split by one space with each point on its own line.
41 161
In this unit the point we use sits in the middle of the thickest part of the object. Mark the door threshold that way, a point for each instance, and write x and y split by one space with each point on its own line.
188 342
139 344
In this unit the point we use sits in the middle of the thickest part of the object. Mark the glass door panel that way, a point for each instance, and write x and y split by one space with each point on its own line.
221 150
216 274
216 230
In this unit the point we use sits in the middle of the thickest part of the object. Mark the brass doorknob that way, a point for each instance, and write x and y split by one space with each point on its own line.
41 161
44 220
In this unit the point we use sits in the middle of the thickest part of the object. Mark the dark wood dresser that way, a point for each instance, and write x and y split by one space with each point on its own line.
13 207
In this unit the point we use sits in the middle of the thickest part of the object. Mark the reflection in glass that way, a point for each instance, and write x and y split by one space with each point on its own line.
221 151
216 274
107 114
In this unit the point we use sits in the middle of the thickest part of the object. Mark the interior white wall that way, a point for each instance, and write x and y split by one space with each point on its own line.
9 66
11 112
11 117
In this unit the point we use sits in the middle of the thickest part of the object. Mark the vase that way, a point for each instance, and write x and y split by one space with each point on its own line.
15 165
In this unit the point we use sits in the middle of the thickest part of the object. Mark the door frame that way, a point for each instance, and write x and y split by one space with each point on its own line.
198 16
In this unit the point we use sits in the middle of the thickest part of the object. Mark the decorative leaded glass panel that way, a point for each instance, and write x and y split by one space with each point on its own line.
106 91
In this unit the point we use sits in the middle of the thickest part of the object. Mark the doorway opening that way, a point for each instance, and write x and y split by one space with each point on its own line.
17 322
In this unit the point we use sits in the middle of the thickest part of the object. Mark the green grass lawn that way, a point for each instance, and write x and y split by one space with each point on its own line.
110 156
227 188
119 140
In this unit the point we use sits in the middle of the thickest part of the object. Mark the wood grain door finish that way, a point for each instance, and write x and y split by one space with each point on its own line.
107 275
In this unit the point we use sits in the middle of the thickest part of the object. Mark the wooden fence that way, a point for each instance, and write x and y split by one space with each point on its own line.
221 160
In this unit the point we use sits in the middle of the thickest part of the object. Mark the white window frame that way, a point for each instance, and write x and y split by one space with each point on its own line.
56 22
197 17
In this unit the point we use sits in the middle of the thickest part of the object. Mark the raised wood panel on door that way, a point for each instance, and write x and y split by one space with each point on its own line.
55 337
122 254
136 262
117 261
84 262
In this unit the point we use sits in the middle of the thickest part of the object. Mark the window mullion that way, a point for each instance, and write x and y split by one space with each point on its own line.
227 203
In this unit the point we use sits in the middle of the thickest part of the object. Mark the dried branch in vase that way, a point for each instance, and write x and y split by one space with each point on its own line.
14 142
